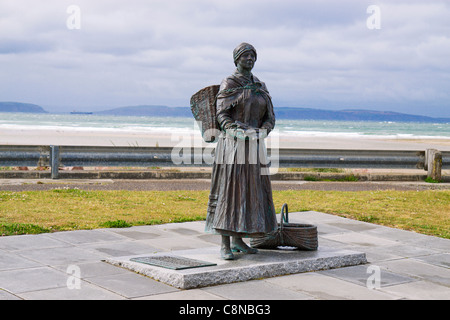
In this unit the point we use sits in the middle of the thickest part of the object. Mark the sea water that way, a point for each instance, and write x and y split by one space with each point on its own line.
141 124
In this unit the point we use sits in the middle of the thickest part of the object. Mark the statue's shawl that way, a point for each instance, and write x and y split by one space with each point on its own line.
237 87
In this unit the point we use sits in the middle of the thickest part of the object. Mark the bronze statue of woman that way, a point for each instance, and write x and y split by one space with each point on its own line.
240 203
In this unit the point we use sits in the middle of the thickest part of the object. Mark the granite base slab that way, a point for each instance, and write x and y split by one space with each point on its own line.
265 264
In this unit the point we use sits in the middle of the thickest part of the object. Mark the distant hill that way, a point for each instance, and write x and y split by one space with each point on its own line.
20 107
352 115
280 113
284 113
150 111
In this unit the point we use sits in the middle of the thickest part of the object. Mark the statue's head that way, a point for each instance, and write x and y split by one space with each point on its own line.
241 49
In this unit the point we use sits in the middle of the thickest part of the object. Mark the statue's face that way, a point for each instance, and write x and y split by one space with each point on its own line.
247 60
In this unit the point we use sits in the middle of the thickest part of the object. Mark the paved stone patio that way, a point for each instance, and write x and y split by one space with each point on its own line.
68 265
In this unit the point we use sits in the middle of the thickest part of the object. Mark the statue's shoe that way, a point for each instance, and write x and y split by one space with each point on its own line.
226 254
243 248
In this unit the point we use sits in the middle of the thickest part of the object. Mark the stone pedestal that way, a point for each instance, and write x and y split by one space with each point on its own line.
265 264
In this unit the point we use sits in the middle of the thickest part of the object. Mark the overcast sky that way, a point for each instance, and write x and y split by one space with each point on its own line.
319 54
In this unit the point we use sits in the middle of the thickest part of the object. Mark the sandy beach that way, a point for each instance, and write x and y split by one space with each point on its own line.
142 139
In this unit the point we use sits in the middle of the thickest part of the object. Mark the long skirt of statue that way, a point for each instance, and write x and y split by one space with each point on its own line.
240 202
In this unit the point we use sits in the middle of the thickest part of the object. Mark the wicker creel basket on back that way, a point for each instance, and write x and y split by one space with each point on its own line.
203 107
301 236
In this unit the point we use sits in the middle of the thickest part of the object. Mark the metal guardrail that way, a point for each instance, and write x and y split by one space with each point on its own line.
446 159
60 156
17 156
352 159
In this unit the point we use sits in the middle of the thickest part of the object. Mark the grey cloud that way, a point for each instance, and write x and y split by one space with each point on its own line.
311 53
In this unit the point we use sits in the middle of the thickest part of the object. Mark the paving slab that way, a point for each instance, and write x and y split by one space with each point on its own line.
138 235
32 279
377 254
413 266
256 290
324 287
93 269
441 260
360 239
28 242
265 264
10 261
4 295
406 251
360 275
419 270
57 256
131 285
85 236
419 290
177 243
86 291
120 248
430 242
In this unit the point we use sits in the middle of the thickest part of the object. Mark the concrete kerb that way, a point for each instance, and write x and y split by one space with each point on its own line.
206 174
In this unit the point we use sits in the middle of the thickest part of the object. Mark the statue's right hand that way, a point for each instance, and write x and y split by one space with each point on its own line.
240 134
237 133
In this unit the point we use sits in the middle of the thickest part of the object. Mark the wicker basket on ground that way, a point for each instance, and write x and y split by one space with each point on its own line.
301 236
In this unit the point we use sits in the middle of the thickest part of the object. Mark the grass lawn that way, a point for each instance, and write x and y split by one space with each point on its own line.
426 212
